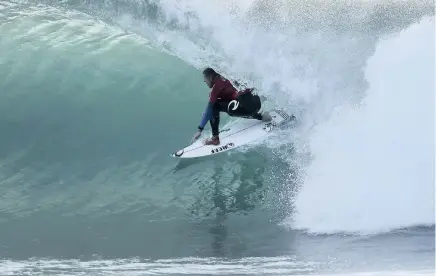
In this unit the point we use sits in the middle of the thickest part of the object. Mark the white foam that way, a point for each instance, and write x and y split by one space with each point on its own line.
373 167
186 266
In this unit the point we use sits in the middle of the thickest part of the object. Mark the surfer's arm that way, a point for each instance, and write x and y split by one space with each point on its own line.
207 115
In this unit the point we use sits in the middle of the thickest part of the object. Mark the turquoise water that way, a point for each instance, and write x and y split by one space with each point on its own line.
95 96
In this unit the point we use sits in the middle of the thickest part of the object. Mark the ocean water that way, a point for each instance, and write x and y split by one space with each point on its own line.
95 96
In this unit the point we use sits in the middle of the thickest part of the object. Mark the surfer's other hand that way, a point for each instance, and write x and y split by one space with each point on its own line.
196 136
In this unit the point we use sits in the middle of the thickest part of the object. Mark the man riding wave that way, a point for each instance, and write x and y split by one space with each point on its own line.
224 97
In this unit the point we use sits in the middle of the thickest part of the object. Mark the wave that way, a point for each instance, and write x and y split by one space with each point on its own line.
373 164
85 81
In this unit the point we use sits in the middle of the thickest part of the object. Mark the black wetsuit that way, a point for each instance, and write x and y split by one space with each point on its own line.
225 98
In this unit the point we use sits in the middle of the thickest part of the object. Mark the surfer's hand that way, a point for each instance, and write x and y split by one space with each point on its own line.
196 136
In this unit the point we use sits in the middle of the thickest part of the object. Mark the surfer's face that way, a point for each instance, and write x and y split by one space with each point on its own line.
208 81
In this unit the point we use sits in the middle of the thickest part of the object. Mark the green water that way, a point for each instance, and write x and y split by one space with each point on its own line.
89 116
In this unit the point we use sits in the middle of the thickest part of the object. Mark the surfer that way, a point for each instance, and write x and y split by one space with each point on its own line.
224 97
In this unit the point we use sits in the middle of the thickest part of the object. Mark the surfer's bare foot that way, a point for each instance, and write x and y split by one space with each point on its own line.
266 117
214 140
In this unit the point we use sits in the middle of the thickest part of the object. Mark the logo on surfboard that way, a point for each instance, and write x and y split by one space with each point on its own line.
226 146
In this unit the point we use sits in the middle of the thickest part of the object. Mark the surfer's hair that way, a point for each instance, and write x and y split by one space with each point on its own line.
209 72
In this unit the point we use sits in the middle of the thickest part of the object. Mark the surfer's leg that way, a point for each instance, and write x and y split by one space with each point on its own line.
240 111
245 106
248 108
214 124
219 106
244 113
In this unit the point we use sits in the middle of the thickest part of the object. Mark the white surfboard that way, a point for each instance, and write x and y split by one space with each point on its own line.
241 133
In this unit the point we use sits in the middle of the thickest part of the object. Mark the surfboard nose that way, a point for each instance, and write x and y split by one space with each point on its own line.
178 153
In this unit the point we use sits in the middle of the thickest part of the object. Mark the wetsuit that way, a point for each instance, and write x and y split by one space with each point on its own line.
221 95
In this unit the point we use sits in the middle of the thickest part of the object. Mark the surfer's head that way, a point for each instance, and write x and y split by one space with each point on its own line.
209 75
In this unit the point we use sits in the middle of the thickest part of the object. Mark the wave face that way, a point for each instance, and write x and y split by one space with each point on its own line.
89 114
95 95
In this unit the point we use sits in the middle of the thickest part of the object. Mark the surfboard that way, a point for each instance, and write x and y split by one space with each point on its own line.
238 134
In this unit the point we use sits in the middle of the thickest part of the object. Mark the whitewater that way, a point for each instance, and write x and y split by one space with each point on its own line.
95 95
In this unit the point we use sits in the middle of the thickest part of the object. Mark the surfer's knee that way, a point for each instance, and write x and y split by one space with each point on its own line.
257 116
